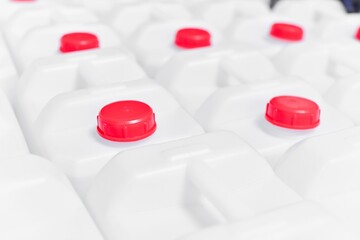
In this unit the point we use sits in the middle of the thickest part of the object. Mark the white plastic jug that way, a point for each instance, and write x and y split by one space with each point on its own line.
269 34
131 114
155 43
51 76
62 38
271 117
170 190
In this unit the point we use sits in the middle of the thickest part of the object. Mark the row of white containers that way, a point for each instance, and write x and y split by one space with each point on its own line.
189 180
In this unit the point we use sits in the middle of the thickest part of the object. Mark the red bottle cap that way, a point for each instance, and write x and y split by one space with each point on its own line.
358 34
192 38
126 121
78 41
293 112
288 32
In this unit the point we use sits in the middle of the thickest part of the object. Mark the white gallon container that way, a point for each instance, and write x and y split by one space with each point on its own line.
193 76
48 77
155 43
222 14
270 33
8 73
325 169
301 221
170 190
271 117
65 131
311 11
38 202
11 138
25 20
53 37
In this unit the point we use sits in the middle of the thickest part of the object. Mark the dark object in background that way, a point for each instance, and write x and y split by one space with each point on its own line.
273 2
351 6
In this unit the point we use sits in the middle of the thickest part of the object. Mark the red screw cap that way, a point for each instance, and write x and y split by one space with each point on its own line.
78 41
293 112
126 121
288 32
357 36
192 38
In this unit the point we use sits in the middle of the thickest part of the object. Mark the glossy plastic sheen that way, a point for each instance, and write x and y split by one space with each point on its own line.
293 112
78 41
192 38
126 121
288 32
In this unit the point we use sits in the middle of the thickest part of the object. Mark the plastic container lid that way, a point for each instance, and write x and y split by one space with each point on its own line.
78 41
288 32
293 112
192 38
126 121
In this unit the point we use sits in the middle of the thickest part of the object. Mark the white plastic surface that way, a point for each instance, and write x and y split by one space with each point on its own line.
38 202
311 11
341 31
173 189
242 109
12 141
101 7
154 43
312 62
222 14
8 73
193 76
326 169
127 18
65 130
346 58
294 222
320 64
9 7
345 96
